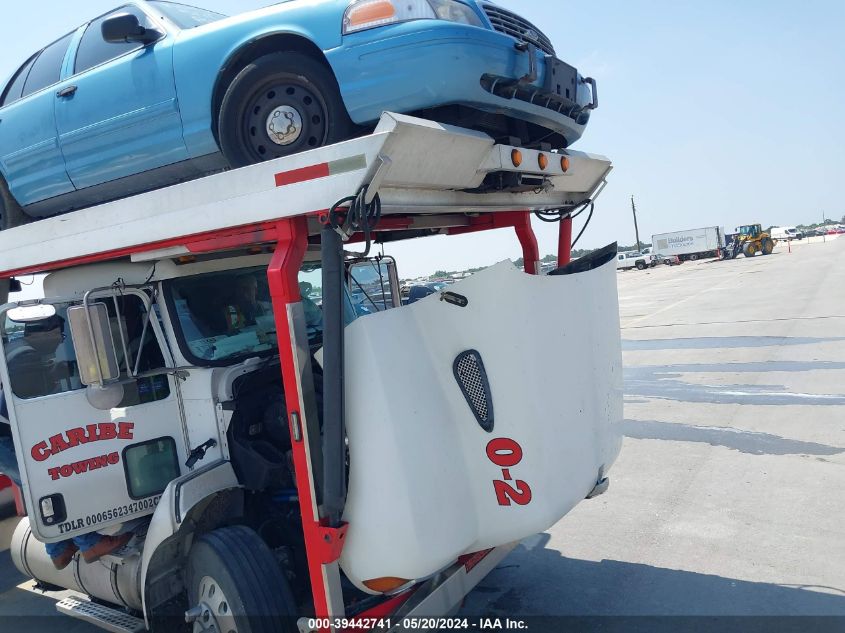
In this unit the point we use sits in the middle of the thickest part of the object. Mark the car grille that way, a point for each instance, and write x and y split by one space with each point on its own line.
518 28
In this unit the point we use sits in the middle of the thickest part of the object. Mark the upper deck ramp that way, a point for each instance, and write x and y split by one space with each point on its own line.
418 167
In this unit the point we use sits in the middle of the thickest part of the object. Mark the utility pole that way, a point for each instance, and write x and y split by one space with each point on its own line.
636 228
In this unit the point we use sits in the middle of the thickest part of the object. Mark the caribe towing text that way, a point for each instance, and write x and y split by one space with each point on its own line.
82 435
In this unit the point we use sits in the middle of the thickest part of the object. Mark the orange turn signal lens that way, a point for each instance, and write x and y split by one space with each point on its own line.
543 161
386 584
564 164
371 13
516 158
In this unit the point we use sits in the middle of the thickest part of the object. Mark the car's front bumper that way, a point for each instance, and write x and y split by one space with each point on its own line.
430 63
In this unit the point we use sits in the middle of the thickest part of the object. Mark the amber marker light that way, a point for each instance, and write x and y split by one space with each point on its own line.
516 158
564 164
371 14
386 584
543 161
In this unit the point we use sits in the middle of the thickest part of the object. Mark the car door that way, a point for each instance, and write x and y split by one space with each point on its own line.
119 115
30 158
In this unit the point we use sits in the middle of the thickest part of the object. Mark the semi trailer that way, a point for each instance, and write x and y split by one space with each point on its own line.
691 244
214 393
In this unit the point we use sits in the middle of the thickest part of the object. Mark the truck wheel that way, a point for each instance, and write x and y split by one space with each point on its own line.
693 257
11 213
640 265
768 247
235 585
279 105
750 249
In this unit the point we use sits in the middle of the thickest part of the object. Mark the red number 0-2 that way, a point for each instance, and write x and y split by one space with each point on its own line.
521 495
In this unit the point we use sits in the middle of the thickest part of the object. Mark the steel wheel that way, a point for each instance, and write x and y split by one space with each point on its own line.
281 104
212 611
284 118
235 585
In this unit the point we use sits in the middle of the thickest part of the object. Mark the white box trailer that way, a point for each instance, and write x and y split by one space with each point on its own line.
691 244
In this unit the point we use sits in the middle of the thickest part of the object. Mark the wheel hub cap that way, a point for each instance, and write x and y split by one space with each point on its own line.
284 125
213 612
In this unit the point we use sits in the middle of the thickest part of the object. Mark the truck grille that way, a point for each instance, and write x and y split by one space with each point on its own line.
518 28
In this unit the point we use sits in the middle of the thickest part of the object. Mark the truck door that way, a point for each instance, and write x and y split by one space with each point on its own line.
87 465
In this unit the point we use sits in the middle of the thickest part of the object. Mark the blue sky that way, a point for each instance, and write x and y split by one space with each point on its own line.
713 112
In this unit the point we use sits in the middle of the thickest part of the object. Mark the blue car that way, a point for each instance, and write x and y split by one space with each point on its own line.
155 93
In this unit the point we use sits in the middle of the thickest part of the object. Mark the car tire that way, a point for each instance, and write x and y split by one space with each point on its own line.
278 105
235 584
641 266
11 213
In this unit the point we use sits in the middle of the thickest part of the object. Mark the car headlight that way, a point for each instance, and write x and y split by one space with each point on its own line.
368 14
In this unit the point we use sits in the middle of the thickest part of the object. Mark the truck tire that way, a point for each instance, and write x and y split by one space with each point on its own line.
11 213
641 266
768 246
749 249
278 105
693 257
235 584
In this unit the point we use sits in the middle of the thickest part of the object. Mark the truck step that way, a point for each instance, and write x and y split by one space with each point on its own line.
100 616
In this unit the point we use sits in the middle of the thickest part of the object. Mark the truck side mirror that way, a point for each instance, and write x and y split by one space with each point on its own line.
93 344
96 355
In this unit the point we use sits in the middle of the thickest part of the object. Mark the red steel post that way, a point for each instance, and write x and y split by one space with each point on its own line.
564 243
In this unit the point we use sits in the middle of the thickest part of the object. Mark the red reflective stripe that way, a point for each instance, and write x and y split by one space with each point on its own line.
301 175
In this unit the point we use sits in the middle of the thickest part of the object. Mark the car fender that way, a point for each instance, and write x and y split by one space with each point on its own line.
178 514
202 56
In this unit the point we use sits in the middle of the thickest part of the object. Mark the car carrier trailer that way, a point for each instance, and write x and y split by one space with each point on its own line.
323 502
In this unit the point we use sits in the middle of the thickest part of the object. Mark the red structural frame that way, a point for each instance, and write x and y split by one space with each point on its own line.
290 236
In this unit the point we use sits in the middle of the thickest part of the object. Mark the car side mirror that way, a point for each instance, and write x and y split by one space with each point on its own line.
126 28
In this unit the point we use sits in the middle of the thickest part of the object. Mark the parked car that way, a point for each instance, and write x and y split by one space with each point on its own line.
415 293
157 92
669 260
625 261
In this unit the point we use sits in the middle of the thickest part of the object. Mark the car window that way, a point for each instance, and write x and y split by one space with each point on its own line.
94 50
47 68
15 89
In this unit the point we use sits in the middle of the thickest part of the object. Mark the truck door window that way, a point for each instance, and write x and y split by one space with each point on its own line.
41 360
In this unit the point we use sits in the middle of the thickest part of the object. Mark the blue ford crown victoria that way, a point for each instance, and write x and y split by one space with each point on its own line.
153 93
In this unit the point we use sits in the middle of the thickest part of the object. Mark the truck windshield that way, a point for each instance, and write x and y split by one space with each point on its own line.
227 316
